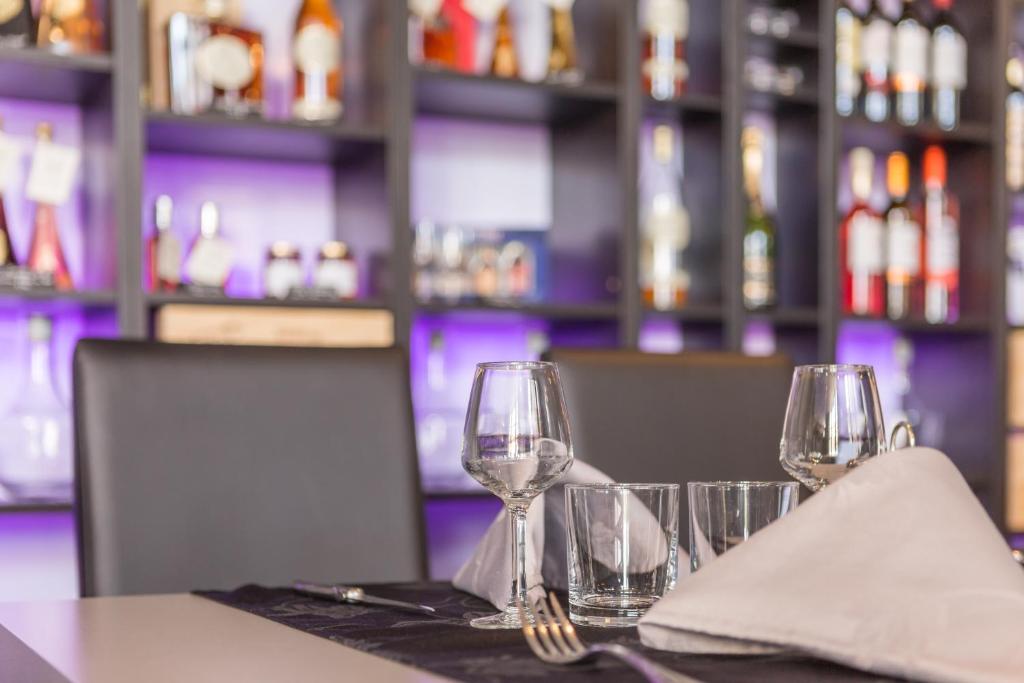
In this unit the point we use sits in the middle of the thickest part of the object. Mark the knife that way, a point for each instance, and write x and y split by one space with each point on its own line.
352 594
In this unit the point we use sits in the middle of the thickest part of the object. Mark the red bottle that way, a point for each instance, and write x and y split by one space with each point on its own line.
862 243
942 242
46 255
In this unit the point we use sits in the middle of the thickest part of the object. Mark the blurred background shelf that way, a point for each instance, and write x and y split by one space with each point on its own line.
690 104
51 298
27 508
694 313
162 299
964 325
36 74
551 311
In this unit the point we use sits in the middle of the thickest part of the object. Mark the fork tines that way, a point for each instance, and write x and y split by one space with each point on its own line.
550 635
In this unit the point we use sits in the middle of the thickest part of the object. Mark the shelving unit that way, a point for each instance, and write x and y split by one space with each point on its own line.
595 130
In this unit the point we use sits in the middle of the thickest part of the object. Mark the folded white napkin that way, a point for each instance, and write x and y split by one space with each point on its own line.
894 569
488 573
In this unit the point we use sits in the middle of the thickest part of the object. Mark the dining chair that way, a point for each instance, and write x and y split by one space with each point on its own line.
694 416
205 467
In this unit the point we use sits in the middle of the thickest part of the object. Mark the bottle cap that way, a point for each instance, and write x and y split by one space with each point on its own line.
44 131
898 175
163 210
40 327
334 251
862 171
209 219
934 166
283 250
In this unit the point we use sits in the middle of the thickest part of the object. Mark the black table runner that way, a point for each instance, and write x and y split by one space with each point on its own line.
446 645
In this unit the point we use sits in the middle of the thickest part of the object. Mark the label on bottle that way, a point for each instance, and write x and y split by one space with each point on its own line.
223 61
280 277
758 271
484 11
10 9
210 262
10 160
317 49
910 58
668 16
1015 245
669 225
866 248
876 42
425 9
949 59
905 246
52 174
943 248
168 258
341 277
63 10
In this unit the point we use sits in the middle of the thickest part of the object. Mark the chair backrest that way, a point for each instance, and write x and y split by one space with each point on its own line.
699 416
213 466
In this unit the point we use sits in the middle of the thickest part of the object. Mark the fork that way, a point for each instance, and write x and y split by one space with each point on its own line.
554 640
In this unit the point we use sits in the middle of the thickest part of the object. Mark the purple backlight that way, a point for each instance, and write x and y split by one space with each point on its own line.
660 335
39 557
454 527
759 338
871 343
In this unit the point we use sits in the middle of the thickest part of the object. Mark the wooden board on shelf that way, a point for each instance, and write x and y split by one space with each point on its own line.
274 326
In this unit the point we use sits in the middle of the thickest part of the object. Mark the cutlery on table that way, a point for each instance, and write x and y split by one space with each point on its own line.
553 638
352 594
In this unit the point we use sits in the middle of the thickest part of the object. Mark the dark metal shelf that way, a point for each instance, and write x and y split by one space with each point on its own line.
161 299
803 98
220 135
858 129
693 313
53 298
450 93
965 325
23 508
690 104
803 38
35 74
791 317
552 311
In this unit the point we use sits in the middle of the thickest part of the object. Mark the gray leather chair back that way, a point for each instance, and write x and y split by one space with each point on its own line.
213 466
696 416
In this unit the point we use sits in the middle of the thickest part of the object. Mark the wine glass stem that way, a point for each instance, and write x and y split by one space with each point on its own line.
517 518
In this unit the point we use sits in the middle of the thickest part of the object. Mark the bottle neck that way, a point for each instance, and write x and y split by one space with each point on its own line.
39 363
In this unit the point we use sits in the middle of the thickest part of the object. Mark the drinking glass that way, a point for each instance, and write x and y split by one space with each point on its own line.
833 423
517 444
623 542
723 514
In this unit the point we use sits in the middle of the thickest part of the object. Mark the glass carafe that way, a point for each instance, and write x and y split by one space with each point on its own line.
35 433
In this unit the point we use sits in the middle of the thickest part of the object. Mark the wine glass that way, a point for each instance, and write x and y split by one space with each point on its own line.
833 423
517 444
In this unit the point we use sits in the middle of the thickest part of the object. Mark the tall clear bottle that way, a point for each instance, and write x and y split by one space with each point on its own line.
948 67
876 57
848 68
665 222
35 451
666 24
759 236
942 238
910 65
316 53
46 255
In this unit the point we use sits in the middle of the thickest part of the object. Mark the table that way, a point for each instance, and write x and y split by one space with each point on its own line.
262 634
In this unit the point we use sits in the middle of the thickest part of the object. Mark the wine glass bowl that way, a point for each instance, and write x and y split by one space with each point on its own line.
516 443
833 423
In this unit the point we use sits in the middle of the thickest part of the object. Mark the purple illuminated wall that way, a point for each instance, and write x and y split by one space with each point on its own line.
38 556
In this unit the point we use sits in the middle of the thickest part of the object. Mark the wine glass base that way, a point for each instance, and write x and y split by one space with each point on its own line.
502 620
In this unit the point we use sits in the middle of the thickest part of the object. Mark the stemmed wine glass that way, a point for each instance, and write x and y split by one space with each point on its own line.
517 444
833 423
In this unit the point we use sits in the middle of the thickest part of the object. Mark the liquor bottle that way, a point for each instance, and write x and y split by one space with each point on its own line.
562 65
861 243
163 249
431 35
35 453
876 57
425 253
1015 264
450 283
7 256
209 262
336 270
759 236
316 50
942 242
666 24
230 60
504 62
70 26
483 271
517 271
848 46
948 68
904 243
282 273
1015 119
910 65
46 255
665 223
17 27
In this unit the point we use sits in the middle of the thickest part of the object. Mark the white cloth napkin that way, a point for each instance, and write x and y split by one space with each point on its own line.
488 573
895 569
